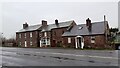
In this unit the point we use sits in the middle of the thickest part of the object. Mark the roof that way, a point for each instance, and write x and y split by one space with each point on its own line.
48 28
31 28
97 28
61 24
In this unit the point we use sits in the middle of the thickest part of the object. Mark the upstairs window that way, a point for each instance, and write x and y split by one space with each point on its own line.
80 28
92 39
30 34
19 35
45 34
25 35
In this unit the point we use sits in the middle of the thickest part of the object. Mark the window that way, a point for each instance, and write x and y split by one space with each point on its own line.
69 40
25 35
43 41
30 34
40 34
31 43
48 41
80 28
92 39
20 43
45 34
19 35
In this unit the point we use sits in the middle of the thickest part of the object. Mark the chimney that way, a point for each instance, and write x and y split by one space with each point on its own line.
56 22
25 25
104 18
44 23
88 24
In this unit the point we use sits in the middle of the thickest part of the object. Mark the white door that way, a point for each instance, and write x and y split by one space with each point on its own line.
25 43
40 43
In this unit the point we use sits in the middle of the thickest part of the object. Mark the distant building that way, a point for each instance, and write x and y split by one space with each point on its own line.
89 35
42 35
64 34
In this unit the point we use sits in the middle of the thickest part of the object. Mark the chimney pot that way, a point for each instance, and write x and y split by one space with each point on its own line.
88 24
56 22
44 23
25 25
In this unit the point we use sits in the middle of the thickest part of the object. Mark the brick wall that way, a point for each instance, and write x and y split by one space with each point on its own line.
66 44
99 41
56 37
33 39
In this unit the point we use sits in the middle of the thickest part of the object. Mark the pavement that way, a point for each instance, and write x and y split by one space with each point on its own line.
57 57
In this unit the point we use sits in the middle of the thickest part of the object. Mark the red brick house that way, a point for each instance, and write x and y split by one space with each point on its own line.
28 36
89 35
42 35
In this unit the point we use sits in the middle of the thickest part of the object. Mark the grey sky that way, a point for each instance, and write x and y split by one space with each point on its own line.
14 14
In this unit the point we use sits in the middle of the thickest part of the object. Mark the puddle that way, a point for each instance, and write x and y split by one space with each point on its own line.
27 54
64 58
43 56
34 55
91 61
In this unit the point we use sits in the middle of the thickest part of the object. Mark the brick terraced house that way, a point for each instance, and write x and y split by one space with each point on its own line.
43 35
89 35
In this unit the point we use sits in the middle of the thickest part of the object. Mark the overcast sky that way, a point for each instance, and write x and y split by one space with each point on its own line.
14 14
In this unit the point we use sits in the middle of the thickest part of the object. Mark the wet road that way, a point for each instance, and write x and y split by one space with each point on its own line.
58 57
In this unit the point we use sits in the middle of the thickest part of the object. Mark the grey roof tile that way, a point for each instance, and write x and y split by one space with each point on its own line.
61 24
48 28
97 28
31 28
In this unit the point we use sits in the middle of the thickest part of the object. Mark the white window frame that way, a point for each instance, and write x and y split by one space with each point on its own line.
45 34
69 40
92 37
25 35
43 41
19 35
31 43
30 34
20 43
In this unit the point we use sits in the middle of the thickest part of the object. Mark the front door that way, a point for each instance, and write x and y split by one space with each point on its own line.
79 42
25 43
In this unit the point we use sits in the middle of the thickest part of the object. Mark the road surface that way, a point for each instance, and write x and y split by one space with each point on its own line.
57 57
